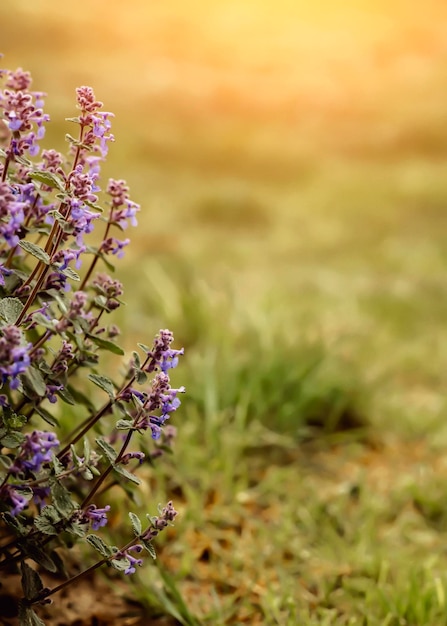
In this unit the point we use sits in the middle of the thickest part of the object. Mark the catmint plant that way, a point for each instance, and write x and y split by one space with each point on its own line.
56 296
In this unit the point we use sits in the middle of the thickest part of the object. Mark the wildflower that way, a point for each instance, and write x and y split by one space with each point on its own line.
69 254
109 288
97 517
52 161
126 458
160 522
35 451
19 500
133 561
81 185
98 121
51 392
22 111
111 245
123 209
11 214
161 355
14 356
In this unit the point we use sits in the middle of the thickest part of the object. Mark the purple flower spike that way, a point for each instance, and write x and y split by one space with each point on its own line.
132 560
19 501
36 450
97 517
14 356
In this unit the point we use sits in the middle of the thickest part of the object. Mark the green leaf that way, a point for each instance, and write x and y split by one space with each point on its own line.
87 451
49 179
47 520
136 360
40 319
31 582
60 564
87 474
17 420
81 398
141 377
75 529
10 309
5 461
100 302
28 617
144 347
106 262
108 450
122 472
99 545
106 345
104 383
76 460
57 215
66 396
57 465
136 524
14 523
12 439
149 547
120 564
124 424
34 378
71 139
12 420
46 416
35 250
40 556
92 205
70 273
61 499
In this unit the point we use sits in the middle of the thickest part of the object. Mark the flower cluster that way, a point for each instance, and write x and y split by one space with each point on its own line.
22 112
35 451
54 302
157 524
14 355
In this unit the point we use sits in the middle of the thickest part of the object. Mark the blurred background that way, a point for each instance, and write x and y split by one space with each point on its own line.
290 159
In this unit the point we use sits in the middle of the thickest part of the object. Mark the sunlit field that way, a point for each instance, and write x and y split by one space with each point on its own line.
290 159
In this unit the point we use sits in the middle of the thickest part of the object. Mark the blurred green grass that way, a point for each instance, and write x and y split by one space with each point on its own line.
290 166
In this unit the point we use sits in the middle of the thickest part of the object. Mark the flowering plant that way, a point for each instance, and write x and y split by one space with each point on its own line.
53 307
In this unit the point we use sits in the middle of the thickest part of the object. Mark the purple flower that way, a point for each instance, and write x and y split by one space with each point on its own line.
68 254
162 355
98 121
81 220
114 246
22 110
169 359
123 209
4 271
126 458
52 161
51 392
133 561
110 288
97 517
81 185
11 214
160 522
18 80
14 355
86 100
19 501
35 451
